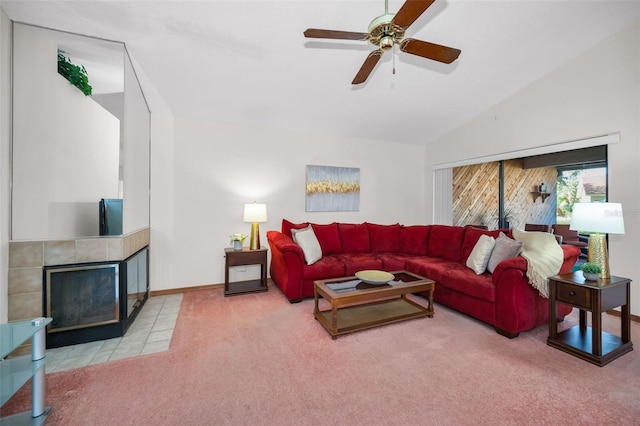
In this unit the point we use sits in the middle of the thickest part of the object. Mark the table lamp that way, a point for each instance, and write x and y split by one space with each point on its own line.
254 214
601 218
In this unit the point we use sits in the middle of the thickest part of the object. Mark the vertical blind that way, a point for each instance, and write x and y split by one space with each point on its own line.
443 196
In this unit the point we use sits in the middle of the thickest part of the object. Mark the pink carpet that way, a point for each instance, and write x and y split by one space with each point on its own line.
256 359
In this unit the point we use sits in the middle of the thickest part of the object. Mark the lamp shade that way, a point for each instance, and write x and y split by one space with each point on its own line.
255 213
605 218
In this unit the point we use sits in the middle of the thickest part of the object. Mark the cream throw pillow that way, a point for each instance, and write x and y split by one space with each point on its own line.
479 257
309 244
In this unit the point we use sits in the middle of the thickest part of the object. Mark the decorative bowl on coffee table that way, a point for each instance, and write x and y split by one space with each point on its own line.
372 276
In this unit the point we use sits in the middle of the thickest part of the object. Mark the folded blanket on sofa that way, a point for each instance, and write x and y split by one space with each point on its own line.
544 257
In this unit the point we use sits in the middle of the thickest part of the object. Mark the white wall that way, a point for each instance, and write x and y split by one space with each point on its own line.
66 147
136 155
202 178
5 163
161 264
596 93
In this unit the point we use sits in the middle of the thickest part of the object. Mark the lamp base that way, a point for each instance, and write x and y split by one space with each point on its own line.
254 238
598 253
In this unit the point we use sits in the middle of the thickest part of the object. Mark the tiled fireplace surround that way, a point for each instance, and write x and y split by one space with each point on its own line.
26 259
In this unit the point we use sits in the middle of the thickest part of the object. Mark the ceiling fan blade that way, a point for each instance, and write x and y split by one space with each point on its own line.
368 66
340 35
410 11
428 50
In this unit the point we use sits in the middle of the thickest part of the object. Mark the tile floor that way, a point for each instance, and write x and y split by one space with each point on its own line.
151 332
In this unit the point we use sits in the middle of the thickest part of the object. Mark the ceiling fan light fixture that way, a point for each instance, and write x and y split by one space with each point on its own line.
386 42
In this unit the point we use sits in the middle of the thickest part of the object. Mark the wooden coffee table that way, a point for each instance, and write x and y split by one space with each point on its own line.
366 305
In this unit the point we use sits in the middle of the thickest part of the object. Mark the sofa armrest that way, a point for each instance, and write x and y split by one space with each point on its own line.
571 255
278 241
519 306
287 261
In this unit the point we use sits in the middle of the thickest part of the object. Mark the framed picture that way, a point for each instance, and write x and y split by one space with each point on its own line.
332 189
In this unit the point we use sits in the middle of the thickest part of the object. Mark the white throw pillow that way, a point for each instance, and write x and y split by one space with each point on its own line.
479 257
309 244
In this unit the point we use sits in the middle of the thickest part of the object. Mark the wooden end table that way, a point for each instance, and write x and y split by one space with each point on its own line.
241 258
590 343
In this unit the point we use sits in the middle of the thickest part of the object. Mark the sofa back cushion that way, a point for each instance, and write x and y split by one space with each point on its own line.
328 237
471 236
445 242
414 239
288 226
354 238
384 238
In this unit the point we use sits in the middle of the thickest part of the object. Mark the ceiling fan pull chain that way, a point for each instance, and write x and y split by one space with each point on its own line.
394 59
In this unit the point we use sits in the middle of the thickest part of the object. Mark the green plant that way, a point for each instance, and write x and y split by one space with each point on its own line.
590 268
237 237
77 75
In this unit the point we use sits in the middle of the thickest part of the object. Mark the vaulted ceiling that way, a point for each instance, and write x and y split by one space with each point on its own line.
248 62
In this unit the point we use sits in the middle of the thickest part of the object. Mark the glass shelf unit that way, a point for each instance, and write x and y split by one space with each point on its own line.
16 371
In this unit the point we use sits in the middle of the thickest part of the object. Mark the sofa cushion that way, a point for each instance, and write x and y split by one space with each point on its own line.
468 282
445 242
434 268
414 239
328 237
330 266
354 262
288 226
384 238
504 249
309 244
479 257
354 238
393 261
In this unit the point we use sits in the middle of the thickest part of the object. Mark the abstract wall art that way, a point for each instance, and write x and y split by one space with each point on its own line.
332 189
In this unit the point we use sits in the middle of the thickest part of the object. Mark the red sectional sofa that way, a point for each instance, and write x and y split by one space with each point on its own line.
504 299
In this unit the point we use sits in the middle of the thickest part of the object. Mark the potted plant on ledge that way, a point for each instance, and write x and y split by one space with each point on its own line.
591 271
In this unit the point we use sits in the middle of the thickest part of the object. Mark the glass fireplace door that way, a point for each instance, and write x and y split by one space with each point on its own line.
82 296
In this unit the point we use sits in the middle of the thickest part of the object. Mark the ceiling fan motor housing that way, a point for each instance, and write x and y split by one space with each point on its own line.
383 33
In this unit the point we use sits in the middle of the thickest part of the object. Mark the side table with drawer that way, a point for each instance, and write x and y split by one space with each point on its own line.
241 258
590 343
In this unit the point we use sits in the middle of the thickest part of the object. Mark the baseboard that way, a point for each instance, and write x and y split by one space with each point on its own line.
187 289
634 318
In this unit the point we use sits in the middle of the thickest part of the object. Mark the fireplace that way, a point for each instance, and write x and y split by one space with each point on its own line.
93 301
82 296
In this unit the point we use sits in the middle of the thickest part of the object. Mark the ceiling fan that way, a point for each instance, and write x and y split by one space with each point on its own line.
388 30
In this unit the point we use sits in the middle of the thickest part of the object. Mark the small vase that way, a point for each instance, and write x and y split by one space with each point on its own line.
589 276
237 245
